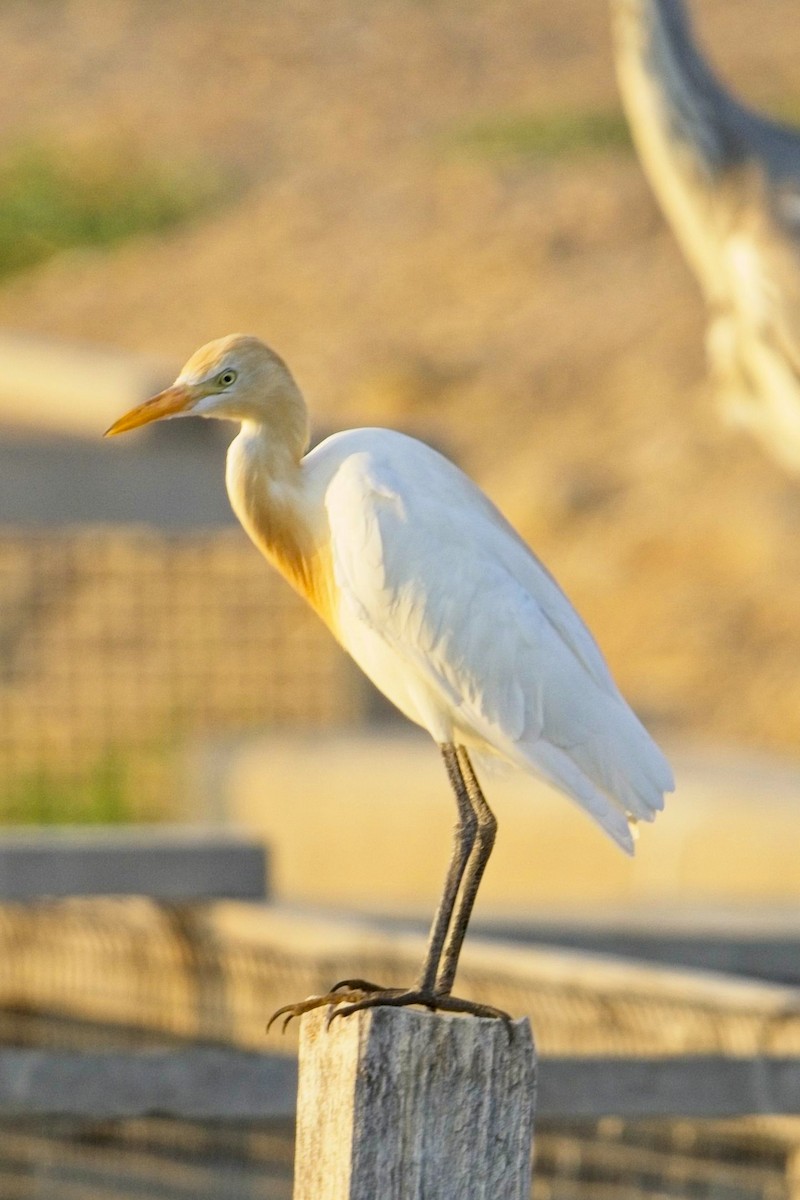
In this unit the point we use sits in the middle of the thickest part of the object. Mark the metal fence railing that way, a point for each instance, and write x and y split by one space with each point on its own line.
119 644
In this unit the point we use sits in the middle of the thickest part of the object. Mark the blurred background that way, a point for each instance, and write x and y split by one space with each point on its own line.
434 213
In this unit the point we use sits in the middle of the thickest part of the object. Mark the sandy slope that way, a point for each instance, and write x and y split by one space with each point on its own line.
532 317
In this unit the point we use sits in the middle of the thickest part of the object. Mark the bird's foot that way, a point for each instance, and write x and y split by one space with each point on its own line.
353 995
433 1001
347 990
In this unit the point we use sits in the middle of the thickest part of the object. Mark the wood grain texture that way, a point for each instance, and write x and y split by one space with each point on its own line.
405 1105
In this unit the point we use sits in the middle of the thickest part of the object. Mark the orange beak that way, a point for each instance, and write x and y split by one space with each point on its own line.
176 399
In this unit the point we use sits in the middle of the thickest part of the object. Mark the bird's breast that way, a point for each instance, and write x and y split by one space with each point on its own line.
275 519
309 570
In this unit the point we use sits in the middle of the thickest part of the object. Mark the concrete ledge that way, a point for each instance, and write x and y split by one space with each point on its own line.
204 1083
760 944
697 1086
199 1083
165 863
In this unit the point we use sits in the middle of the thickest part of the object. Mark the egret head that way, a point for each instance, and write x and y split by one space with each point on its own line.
235 378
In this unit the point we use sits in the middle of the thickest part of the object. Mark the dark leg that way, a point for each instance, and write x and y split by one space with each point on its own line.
474 837
476 865
465 833
464 839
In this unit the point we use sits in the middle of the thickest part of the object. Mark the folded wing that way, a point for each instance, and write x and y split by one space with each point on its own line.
424 560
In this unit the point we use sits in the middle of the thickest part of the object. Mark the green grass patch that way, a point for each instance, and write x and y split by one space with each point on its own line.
545 135
45 796
53 199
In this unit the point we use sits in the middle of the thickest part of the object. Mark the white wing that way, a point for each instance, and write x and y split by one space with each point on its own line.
430 567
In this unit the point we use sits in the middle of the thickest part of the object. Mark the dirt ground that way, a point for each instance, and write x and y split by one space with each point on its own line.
531 315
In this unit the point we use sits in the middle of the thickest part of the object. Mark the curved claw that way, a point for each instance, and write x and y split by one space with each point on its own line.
290 1011
279 1012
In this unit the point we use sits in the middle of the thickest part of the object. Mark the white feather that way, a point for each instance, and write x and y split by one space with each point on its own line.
433 593
458 623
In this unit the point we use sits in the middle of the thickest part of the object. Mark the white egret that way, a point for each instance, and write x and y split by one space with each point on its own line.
728 180
441 604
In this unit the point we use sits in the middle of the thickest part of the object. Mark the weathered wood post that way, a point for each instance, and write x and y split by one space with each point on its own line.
395 1104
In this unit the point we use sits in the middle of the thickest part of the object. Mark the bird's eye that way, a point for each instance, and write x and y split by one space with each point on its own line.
226 378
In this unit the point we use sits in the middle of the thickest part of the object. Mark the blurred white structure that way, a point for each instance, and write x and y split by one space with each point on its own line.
56 388
728 181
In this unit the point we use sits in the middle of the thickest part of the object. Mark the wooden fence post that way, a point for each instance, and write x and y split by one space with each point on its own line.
395 1104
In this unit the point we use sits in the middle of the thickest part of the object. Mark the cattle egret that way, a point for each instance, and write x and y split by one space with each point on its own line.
728 181
441 604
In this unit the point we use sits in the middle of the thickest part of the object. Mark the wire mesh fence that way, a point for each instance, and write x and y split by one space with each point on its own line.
119 645
72 988
161 1159
214 971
